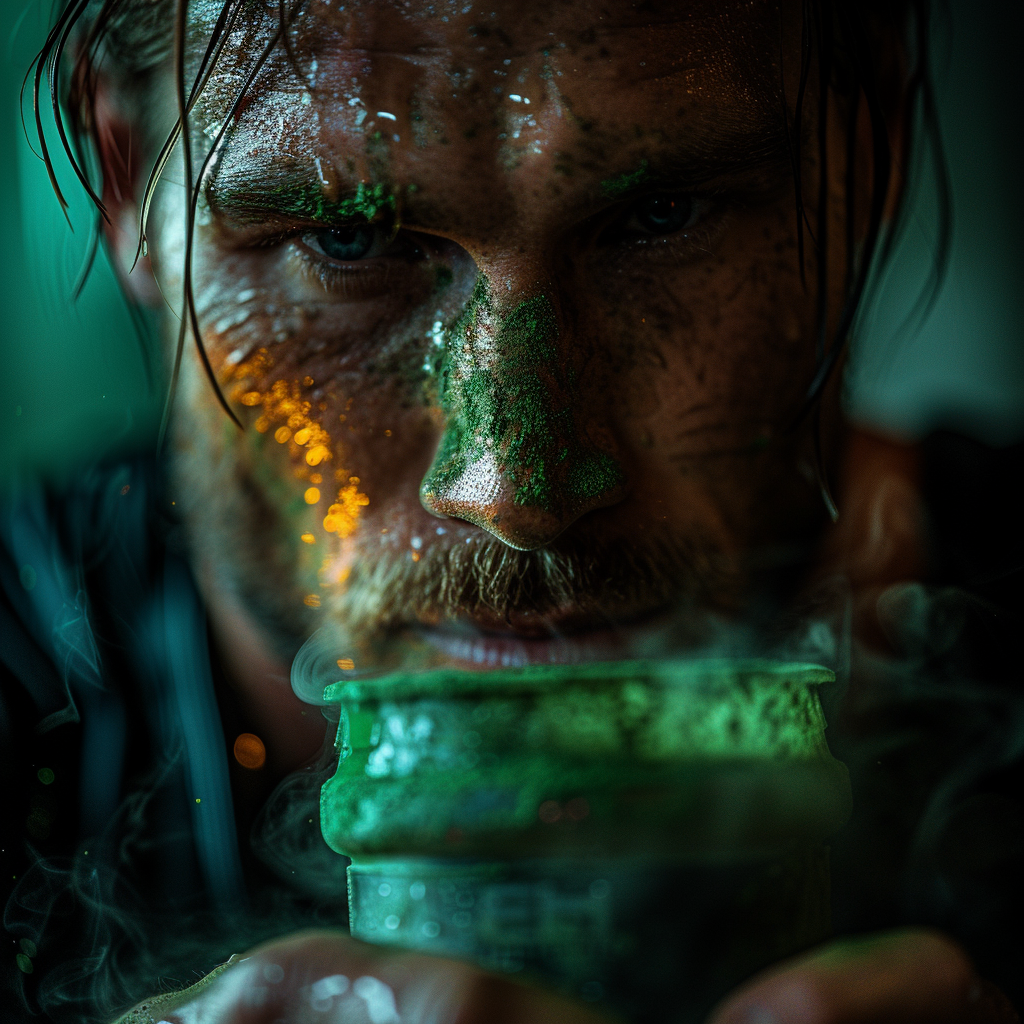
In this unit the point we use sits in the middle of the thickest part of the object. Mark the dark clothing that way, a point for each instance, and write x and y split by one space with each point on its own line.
110 734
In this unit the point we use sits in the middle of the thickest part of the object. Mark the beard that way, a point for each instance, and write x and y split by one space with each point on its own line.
576 584
583 581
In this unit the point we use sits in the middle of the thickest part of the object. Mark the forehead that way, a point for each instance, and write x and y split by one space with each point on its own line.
707 50
377 89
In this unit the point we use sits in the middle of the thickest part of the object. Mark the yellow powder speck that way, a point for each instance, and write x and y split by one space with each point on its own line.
312 495
346 664
387 433
315 478
342 418
282 435
252 398
317 455
262 425
308 538
307 382
312 600
302 436
354 481
415 555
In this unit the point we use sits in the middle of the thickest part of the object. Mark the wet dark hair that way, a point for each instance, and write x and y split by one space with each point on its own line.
870 52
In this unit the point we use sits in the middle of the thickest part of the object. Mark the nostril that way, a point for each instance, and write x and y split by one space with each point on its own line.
486 494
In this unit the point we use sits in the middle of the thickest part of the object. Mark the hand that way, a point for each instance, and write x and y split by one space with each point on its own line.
905 977
327 978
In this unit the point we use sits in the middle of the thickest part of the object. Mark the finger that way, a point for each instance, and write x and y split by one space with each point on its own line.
904 977
329 978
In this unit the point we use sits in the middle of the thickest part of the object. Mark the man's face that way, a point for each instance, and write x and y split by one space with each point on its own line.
509 302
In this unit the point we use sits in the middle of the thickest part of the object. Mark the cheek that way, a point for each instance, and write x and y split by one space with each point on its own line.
327 448
714 357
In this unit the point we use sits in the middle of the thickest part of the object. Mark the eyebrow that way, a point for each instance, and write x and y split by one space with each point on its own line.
250 190
731 156
294 190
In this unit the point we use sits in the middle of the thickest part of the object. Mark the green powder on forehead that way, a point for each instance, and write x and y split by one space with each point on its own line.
369 203
615 188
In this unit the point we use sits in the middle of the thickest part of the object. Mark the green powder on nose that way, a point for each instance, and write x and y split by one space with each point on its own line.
509 393
497 397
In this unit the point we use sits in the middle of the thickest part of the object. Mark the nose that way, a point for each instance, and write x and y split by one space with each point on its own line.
522 454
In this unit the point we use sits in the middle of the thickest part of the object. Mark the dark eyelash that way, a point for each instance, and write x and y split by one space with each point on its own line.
349 281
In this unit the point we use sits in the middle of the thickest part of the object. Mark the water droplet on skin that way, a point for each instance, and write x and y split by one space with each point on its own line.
322 992
379 999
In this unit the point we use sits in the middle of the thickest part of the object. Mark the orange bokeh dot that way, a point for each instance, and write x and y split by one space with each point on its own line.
249 751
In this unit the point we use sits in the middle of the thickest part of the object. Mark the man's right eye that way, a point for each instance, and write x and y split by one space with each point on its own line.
347 244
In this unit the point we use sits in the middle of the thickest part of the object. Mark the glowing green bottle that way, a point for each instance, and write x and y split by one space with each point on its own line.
639 834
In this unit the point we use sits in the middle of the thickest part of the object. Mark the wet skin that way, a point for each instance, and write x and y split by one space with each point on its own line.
527 366
496 284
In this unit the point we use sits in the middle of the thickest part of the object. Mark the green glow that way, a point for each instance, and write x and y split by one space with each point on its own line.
424 754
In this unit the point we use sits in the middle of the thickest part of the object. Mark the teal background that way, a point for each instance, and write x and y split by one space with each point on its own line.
72 380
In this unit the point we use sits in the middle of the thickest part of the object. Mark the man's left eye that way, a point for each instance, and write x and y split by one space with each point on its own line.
345 244
661 214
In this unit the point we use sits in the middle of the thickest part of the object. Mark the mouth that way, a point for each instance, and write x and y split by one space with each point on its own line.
568 639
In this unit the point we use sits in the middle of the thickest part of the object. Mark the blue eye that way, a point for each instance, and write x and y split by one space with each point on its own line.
664 214
344 244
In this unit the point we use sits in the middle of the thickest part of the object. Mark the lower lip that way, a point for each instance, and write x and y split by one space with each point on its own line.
485 652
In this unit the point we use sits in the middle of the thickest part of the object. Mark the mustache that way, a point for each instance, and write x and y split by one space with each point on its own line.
603 582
